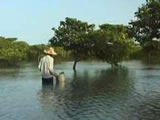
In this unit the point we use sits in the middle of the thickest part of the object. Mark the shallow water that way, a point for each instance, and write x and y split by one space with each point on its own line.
95 92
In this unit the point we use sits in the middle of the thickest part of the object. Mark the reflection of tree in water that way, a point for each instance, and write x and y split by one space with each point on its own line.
80 85
111 80
89 95
98 95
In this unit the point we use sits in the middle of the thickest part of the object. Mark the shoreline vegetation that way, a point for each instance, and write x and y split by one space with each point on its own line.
14 52
78 40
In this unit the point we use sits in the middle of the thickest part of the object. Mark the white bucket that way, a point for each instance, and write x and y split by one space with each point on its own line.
61 77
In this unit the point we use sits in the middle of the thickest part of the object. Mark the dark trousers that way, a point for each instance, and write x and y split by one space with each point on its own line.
47 81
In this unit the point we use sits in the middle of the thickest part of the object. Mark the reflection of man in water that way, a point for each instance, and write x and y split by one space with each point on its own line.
46 66
50 95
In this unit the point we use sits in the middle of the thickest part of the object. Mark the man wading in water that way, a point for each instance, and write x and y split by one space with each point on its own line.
46 66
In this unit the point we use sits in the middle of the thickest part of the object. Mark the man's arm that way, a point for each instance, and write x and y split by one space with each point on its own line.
51 70
40 64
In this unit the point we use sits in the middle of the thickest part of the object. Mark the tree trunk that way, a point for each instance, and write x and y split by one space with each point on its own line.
74 65
114 65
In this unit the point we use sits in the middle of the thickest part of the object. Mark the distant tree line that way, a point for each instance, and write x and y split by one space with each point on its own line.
13 52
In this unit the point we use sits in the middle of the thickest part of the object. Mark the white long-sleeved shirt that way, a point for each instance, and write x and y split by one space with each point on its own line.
46 65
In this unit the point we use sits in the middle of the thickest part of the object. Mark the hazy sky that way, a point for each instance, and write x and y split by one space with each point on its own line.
32 20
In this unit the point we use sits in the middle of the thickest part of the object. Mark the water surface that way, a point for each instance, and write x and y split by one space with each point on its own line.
95 92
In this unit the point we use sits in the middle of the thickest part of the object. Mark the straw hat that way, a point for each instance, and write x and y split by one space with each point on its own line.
50 51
